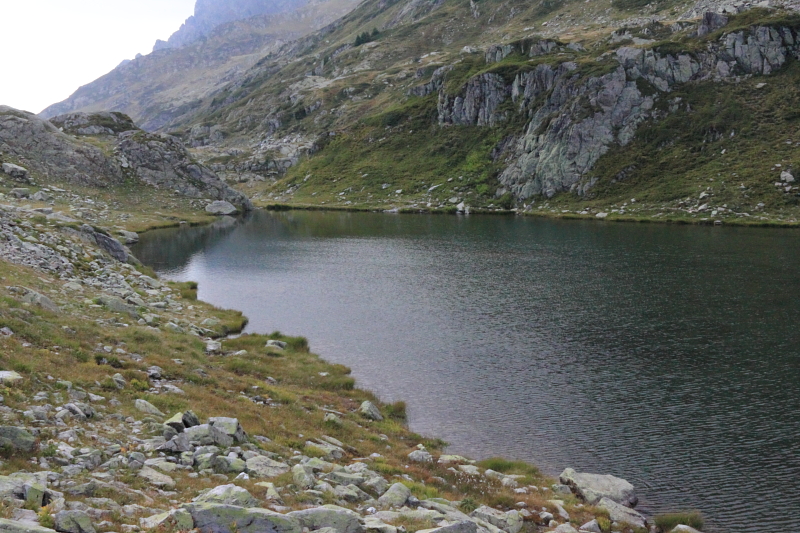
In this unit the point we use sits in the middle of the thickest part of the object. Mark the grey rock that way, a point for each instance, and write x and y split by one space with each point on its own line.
619 513
593 487
16 172
396 496
156 478
148 408
163 161
128 237
112 246
9 377
190 419
592 525
228 465
681 528
303 476
220 518
20 192
341 519
51 152
369 410
34 298
73 522
230 427
264 467
276 344
565 528
420 456
207 435
176 423
176 519
465 526
41 196
17 439
14 526
228 495
221 207
510 522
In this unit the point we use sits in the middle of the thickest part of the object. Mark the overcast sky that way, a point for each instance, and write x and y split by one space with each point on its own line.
49 48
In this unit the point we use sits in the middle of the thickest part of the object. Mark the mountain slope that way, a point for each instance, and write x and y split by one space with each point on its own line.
158 89
454 102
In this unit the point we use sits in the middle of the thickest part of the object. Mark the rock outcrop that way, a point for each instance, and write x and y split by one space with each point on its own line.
56 150
574 118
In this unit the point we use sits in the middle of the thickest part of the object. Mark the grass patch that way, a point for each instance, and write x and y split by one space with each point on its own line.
668 521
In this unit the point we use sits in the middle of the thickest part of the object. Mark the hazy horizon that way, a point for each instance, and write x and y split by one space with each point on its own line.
53 47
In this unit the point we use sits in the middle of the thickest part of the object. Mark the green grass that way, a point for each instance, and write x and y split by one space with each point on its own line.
668 521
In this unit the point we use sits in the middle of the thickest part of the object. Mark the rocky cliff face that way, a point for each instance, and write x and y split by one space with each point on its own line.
42 148
574 119
210 14
58 150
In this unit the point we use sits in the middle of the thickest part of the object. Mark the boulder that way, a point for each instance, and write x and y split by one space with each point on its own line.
510 522
9 377
73 522
41 196
148 408
190 419
565 528
17 439
331 451
220 518
40 300
593 487
208 435
280 345
420 456
341 519
592 526
128 237
465 526
228 465
303 476
619 513
230 427
16 172
264 467
176 423
13 526
228 495
117 305
221 207
681 528
396 496
177 444
175 520
156 478
20 192
213 347
369 410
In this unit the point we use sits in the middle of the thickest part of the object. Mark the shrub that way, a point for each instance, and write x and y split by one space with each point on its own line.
468 505
396 411
668 521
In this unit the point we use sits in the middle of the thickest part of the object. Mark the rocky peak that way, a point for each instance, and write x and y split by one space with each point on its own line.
209 14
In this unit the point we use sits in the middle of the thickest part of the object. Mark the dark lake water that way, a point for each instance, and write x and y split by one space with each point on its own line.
666 355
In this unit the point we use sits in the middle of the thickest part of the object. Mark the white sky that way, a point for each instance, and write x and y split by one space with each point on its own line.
49 48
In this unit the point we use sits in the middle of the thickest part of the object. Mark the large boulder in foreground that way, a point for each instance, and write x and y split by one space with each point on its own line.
341 519
594 487
220 518
12 526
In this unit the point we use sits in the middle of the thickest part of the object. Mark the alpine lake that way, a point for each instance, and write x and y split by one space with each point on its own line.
667 355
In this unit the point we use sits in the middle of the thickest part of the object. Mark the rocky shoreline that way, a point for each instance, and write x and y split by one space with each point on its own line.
97 445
